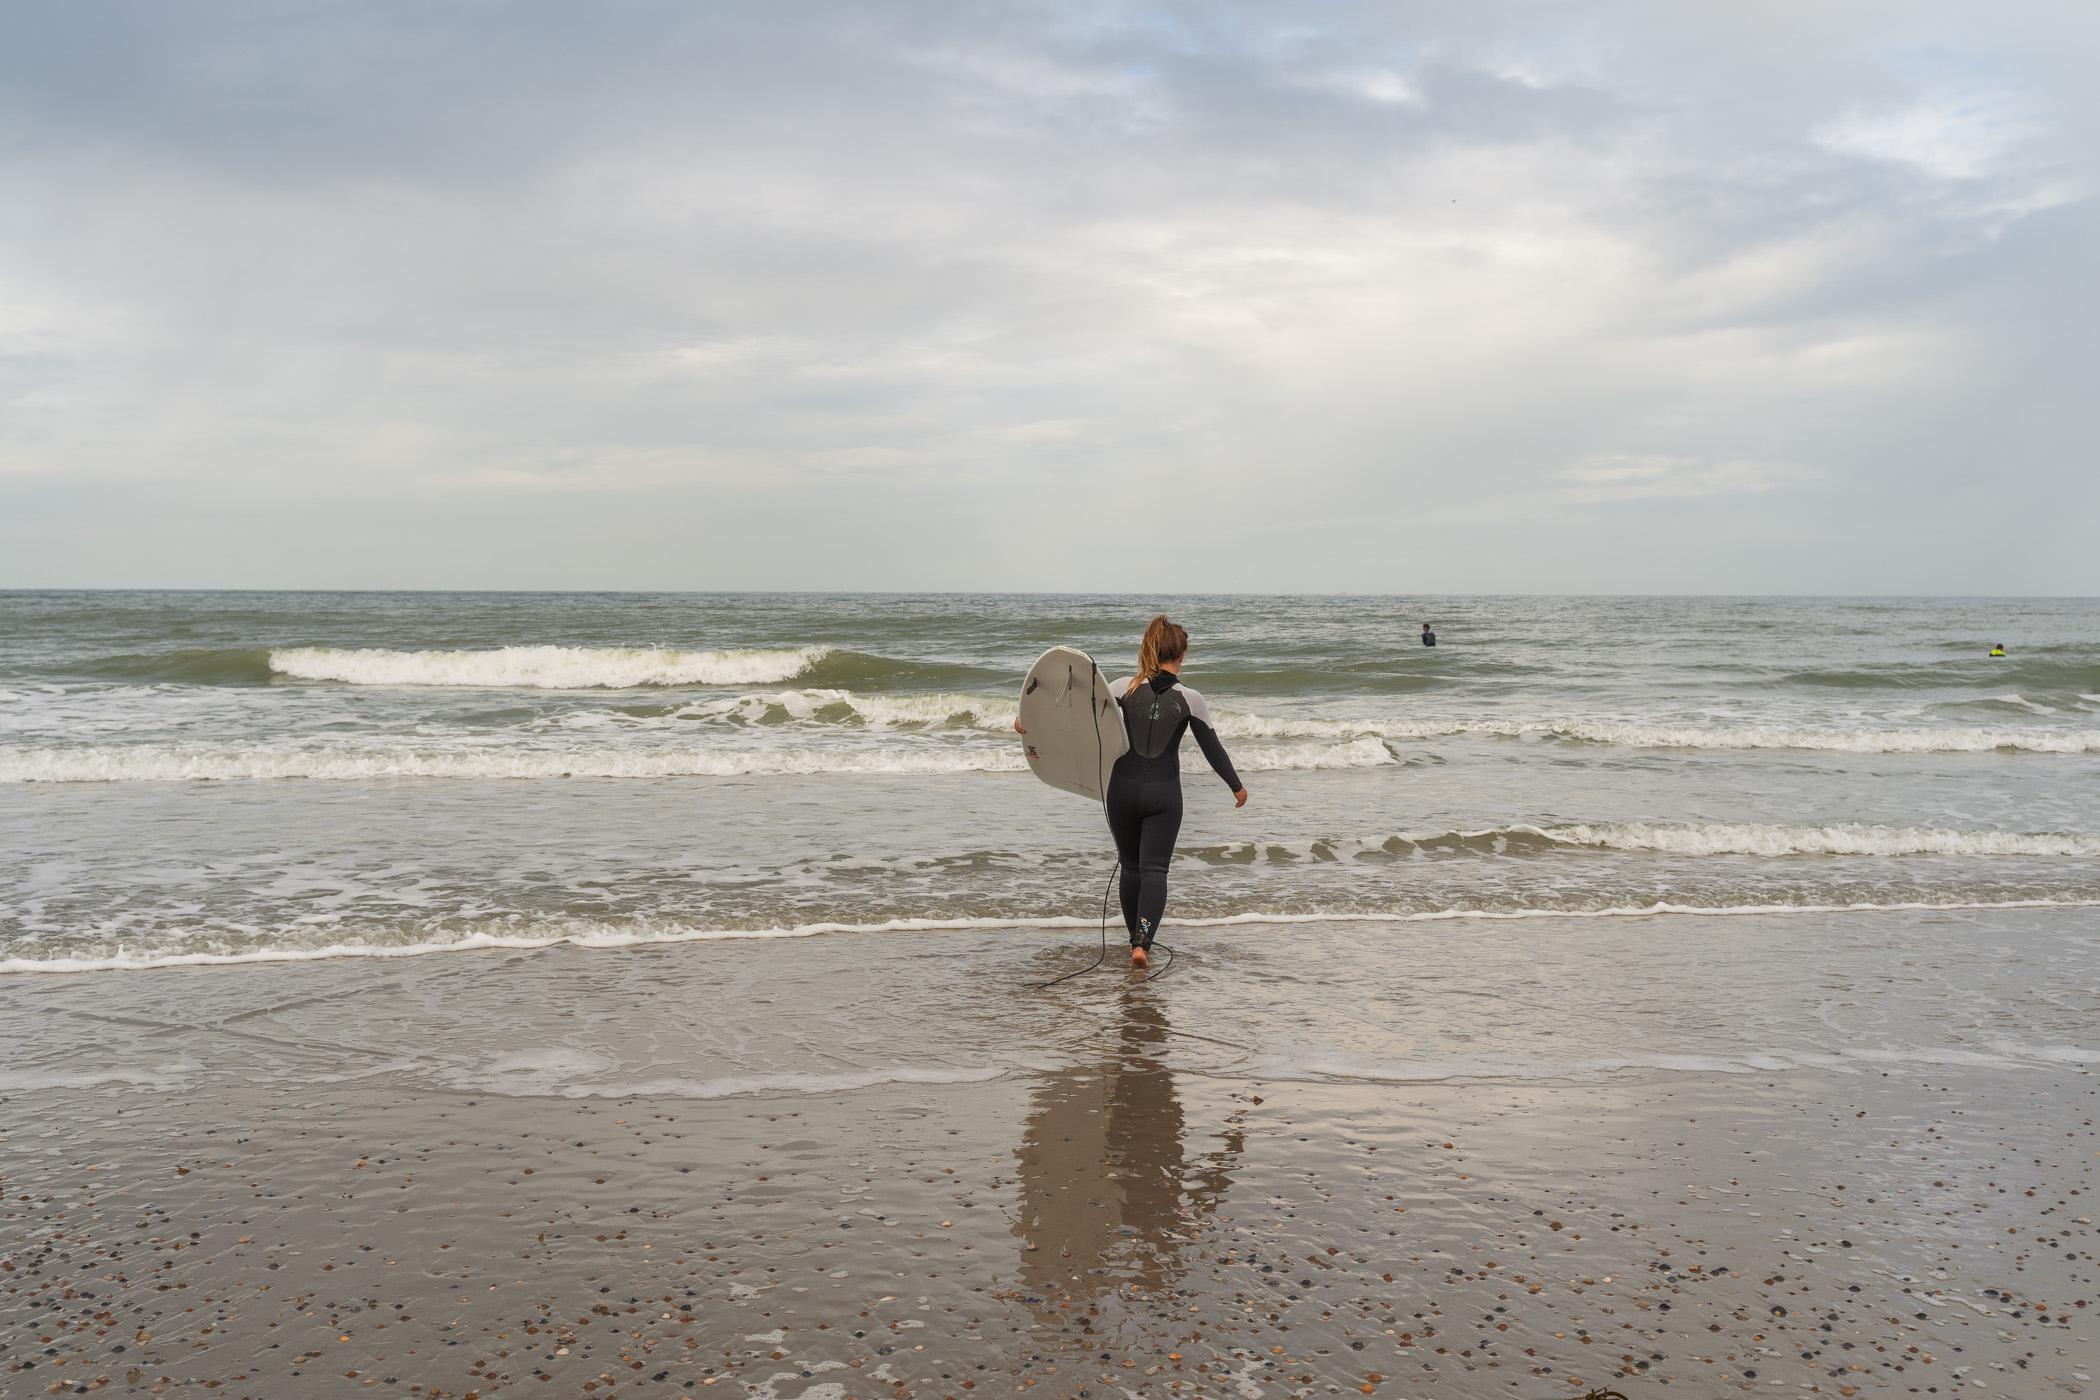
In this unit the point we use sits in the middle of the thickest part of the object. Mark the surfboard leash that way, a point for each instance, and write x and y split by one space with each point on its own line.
1161 971
1102 956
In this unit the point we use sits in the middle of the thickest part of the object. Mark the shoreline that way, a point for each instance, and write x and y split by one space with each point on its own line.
491 943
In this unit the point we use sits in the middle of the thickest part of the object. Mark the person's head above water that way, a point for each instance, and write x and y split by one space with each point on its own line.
1164 644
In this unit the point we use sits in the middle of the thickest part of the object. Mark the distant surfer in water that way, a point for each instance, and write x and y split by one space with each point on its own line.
1428 635
1144 789
1998 650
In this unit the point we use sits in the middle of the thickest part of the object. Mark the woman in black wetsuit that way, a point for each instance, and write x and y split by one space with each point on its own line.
1144 790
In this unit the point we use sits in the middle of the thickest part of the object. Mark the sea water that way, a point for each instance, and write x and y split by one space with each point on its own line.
225 778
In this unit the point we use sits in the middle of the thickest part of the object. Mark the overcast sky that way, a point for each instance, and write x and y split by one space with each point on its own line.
1404 298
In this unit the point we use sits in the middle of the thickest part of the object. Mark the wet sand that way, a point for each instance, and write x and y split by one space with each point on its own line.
691 1170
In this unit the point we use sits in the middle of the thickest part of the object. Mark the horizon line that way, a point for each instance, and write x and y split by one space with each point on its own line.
1034 593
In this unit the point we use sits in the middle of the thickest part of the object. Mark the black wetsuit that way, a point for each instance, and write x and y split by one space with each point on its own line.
1144 810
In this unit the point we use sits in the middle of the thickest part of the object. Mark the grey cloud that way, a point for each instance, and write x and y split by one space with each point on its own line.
742 295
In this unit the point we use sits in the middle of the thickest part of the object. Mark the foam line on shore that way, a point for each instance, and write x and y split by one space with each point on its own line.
599 936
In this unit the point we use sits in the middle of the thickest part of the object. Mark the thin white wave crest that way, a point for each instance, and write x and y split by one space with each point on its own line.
905 711
557 1072
1635 734
1665 736
607 936
188 763
1670 838
1842 839
174 763
546 667
1660 735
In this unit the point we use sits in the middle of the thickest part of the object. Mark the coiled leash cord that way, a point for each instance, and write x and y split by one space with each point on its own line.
1102 956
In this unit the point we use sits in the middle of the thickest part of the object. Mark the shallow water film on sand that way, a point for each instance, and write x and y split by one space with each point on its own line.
468 995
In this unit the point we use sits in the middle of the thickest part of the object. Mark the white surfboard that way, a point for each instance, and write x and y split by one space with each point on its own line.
1071 725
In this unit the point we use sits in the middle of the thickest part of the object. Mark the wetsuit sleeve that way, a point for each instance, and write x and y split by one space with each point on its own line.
1207 738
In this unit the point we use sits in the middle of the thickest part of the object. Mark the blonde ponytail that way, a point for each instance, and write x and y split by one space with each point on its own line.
1163 641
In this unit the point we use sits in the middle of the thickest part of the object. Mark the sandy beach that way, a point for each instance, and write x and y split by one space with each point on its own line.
1524 1162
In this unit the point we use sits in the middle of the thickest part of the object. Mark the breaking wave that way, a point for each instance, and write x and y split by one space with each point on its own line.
546 667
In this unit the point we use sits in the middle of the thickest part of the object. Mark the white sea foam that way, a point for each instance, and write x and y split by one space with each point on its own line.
546 667
1726 838
641 934
196 762
1243 724
1354 753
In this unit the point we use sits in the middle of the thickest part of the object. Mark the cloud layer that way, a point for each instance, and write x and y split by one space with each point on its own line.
1203 297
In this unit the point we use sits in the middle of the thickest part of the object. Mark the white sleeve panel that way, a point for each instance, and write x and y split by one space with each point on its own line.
1199 708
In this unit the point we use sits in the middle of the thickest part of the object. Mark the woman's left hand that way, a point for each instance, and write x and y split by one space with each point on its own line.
1239 799
1017 726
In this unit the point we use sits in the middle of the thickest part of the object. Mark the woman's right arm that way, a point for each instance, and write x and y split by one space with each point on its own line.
1213 747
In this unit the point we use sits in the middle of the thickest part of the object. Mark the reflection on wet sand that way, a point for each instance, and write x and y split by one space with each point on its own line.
1109 1194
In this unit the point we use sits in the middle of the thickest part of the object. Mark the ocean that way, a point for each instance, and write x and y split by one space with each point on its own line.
238 777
